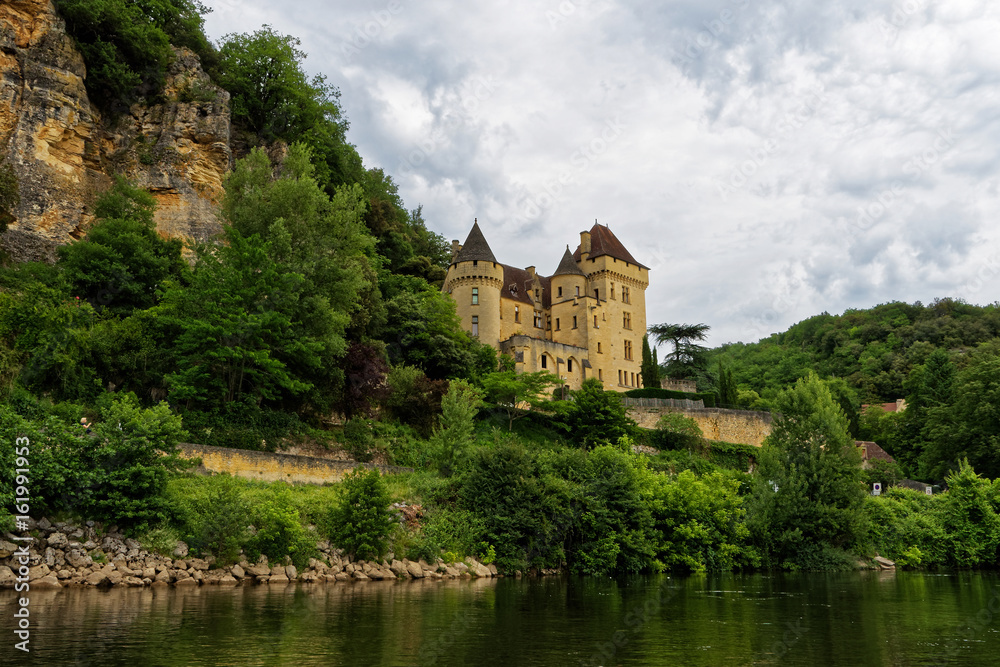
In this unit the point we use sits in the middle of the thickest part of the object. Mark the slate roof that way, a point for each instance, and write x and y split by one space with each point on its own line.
604 242
517 285
475 247
870 450
568 266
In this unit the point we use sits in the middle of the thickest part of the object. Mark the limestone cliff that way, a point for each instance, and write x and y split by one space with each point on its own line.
64 153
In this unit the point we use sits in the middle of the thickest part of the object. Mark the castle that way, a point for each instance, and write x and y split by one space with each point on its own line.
585 320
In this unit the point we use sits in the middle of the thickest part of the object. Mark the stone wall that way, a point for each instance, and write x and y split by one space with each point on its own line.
741 426
273 467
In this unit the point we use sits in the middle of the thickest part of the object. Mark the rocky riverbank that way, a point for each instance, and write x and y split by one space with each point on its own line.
63 554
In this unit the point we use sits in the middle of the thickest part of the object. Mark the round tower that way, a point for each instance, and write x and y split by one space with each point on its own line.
474 281
569 280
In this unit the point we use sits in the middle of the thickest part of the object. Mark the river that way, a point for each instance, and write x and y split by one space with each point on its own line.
850 619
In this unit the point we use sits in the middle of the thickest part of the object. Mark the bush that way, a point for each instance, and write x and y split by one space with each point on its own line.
675 431
732 455
280 532
361 522
216 520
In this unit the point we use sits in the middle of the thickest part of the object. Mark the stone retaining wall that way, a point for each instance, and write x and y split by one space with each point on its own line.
746 427
273 466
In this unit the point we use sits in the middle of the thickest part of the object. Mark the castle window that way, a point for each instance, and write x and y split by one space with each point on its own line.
548 322
574 321
597 294
611 292
519 357
475 296
475 262
633 379
625 295
598 347
578 290
595 322
557 324
475 325
560 292
600 374
619 376
569 365
627 320
628 350
538 319
536 294
517 314
545 361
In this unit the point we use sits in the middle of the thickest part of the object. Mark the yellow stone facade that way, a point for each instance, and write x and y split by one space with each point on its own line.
586 320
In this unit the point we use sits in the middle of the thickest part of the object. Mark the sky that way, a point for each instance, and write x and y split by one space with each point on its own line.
768 161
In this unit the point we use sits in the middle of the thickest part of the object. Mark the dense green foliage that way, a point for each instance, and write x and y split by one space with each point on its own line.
126 44
806 509
361 521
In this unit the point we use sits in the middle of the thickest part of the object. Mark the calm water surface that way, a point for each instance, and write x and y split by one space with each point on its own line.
848 619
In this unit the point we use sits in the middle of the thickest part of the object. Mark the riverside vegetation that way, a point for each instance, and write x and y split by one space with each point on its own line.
321 298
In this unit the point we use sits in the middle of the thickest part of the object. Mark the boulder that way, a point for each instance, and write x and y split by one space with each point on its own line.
228 580
187 581
359 575
259 570
398 568
181 550
414 570
884 563
238 572
7 576
38 572
50 582
291 572
198 564
57 540
278 579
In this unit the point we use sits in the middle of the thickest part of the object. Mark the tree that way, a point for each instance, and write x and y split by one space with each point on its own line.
236 334
597 417
361 521
515 392
688 358
451 442
806 507
650 370
123 263
963 416
728 393
273 98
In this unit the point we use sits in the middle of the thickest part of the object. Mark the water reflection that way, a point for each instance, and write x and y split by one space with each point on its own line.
776 619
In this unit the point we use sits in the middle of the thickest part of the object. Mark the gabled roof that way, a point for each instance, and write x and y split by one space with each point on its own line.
603 242
568 266
475 247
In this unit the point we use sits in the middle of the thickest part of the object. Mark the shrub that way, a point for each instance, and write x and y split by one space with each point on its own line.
216 521
359 439
361 522
280 532
675 431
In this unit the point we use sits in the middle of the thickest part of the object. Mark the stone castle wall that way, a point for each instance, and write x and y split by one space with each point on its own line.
273 466
741 426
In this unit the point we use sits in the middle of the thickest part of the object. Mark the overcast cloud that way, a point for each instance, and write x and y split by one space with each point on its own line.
768 160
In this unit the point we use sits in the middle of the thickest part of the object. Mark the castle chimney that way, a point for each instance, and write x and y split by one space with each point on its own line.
456 248
584 245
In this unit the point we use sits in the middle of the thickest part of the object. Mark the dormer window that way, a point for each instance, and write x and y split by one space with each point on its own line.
513 289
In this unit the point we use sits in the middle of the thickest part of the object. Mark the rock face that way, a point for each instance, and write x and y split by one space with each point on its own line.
64 152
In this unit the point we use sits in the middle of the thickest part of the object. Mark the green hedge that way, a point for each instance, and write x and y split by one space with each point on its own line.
656 392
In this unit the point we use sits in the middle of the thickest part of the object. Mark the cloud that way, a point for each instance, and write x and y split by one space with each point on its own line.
771 160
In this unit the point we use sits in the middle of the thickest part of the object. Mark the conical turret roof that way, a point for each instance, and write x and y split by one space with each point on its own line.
475 247
568 266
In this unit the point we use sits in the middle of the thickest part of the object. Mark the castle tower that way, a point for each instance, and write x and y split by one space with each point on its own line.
618 283
474 281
